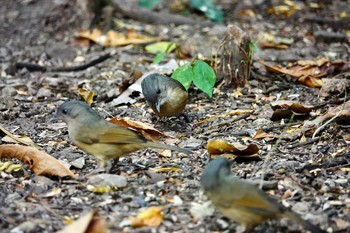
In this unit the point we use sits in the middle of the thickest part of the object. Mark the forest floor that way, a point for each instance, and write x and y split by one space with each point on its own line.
310 176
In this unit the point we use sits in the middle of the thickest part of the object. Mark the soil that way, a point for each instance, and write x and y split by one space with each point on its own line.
43 32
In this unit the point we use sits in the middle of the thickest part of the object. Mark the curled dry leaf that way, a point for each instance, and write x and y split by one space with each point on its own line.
223 148
260 134
286 108
38 161
9 166
22 139
152 217
342 111
147 131
88 223
87 95
308 73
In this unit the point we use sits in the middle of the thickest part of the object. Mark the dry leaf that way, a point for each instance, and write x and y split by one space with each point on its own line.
152 217
268 40
22 139
260 134
52 193
87 95
9 166
342 110
287 108
223 148
38 161
288 9
88 223
308 73
166 169
114 38
101 189
147 131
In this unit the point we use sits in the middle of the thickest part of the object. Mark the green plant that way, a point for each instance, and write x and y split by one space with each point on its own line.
198 72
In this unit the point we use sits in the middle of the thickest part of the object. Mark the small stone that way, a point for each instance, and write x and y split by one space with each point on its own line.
28 226
43 180
108 180
177 201
155 177
8 91
78 163
43 92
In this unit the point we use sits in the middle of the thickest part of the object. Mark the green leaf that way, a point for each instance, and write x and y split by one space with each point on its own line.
159 47
148 4
204 77
209 9
253 47
184 74
159 57
214 14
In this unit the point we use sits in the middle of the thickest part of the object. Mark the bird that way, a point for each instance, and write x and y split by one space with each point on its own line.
240 200
93 134
166 96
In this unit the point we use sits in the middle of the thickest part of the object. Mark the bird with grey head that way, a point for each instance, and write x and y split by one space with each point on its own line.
240 200
93 134
166 96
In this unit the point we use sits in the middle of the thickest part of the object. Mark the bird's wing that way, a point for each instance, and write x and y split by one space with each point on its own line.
101 131
245 195
117 134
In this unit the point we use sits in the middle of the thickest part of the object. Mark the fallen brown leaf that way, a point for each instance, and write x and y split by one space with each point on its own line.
147 131
152 217
260 134
114 38
286 108
222 148
87 95
38 161
91 222
308 73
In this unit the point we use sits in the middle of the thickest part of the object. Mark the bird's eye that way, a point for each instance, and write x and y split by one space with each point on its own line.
64 111
158 91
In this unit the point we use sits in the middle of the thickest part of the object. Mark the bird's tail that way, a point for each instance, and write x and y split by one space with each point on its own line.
169 147
306 224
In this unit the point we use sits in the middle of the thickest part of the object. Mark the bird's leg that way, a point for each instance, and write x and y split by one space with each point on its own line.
100 169
112 166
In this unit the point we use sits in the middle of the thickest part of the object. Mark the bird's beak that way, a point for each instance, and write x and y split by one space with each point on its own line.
158 106
52 118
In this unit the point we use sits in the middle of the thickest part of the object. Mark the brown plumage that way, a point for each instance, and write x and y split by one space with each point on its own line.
166 96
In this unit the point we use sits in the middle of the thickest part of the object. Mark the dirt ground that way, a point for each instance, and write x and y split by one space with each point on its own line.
43 32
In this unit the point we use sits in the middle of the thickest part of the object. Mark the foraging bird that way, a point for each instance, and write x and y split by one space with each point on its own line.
101 138
166 96
240 200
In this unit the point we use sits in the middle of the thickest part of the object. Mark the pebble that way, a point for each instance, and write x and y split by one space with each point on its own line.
108 180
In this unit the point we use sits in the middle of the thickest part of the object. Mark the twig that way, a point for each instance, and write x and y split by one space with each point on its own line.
330 120
240 117
34 67
335 162
304 143
267 158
